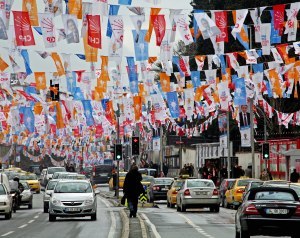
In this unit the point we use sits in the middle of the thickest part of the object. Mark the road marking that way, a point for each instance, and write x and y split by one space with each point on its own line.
23 226
8 233
152 226
36 217
125 227
113 226
197 228
143 227
31 221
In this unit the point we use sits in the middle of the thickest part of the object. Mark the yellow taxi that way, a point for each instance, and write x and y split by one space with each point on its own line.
172 193
234 193
122 176
15 169
32 181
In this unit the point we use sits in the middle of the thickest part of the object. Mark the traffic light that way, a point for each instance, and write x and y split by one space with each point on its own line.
266 150
118 151
135 145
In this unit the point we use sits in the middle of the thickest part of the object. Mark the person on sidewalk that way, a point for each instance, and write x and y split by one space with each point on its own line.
294 176
132 189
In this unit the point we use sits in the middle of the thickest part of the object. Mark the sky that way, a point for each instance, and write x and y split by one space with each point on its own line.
47 65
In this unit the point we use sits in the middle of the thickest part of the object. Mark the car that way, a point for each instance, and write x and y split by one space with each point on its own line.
73 198
42 178
172 193
148 171
101 174
34 169
47 193
87 171
122 176
32 180
252 184
198 193
50 171
158 189
5 202
26 195
234 194
74 176
58 175
294 186
225 184
268 211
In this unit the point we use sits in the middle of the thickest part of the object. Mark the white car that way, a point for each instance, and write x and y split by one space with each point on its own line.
73 198
5 202
47 193
26 195
50 171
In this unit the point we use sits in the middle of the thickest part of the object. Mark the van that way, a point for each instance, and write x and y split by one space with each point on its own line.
4 180
101 174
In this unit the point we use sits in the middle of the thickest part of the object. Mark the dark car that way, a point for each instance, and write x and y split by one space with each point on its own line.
101 174
268 211
159 188
223 188
294 186
34 169
87 171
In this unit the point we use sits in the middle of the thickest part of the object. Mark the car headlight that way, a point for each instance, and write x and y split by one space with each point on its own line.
55 202
89 201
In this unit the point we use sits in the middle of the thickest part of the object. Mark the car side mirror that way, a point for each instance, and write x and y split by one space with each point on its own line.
49 194
43 189
97 192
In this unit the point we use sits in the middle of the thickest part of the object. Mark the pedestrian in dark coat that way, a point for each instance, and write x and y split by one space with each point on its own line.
132 189
294 176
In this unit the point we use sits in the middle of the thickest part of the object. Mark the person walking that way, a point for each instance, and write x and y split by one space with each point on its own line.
294 176
165 169
132 189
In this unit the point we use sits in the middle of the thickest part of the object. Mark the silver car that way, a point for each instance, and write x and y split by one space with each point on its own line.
198 193
26 195
49 189
73 198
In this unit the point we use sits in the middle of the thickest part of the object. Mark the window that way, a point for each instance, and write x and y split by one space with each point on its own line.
199 183
28 177
2 190
178 183
57 169
163 181
274 195
242 183
51 185
73 187
25 185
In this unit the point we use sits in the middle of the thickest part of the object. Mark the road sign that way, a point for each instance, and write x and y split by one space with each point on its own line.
143 197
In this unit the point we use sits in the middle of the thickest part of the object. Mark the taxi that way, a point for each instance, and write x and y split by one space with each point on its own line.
234 193
122 176
172 193
32 180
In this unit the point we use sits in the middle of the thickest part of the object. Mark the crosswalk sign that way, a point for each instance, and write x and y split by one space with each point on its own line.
143 197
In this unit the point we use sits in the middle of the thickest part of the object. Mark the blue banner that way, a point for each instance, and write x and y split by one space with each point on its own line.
30 89
88 112
28 119
125 2
175 60
38 30
196 27
113 10
240 96
223 64
71 82
245 44
78 95
24 54
80 56
132 74
141 47
195 76
258 68
269 89
275 37
134 86
104 104
172 100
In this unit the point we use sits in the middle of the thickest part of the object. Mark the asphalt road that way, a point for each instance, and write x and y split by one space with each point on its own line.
33 223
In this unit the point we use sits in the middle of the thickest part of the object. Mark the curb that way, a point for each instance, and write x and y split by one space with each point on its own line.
143 227
125 224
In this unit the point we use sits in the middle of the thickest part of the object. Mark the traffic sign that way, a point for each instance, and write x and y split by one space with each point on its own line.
143 197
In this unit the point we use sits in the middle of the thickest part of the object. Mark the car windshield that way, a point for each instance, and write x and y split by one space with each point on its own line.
296 189
147 178
51 185
76 176
73 187
242 183
256 184
56 169
28 177
178 183
200 183
122 174
25 185
2 190
274 195
163 181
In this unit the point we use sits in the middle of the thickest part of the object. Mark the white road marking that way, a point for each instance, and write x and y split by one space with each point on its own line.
113 226
36 217
152 226
197 228
31 221
23 226
8 233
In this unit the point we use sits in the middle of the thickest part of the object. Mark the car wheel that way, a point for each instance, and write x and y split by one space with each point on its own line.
94 217
178 208
52 217
223 202
45 209
244 234
237 234
172 205
168 204
8 216
217 209
211 209
235 207
226 203
183 208
29 206
38 191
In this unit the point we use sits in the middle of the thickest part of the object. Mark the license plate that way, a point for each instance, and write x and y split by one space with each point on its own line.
276 211
164 189
72 209
201 193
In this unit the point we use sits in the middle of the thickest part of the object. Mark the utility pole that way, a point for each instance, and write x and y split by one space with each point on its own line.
228 144
118 162
161 148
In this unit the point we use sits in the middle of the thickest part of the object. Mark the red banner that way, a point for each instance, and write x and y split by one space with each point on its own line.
279 17
23 31
221 23
159 25
94 31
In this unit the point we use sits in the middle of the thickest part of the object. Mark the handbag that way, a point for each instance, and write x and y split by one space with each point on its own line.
123 200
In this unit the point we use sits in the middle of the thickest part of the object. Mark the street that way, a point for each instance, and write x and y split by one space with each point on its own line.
158 221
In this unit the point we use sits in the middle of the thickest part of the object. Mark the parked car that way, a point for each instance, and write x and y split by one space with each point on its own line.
72 198
5 202
226 183
198 193
234 194
47 193
158 189
101 174
26 195
268 211
50 171
5 181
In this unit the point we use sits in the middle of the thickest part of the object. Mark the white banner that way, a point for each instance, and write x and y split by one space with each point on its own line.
240 18
48 30
245 136
265 38
156 143
206 25
182 24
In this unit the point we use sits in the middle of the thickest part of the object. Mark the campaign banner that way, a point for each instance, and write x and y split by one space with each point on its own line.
156 143
71 28
239 17
240 96
30 6
245 136
3 29
23 31
94 31
141 47
266 38
221 23
172 100
182 24
48 30
159 26
206 25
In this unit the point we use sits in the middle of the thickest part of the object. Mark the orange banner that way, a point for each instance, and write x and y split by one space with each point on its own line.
31 7
75 8
137 102
275 81
40 80
154 11
59 118
3 65
91 53
104 66
58 64
165 82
